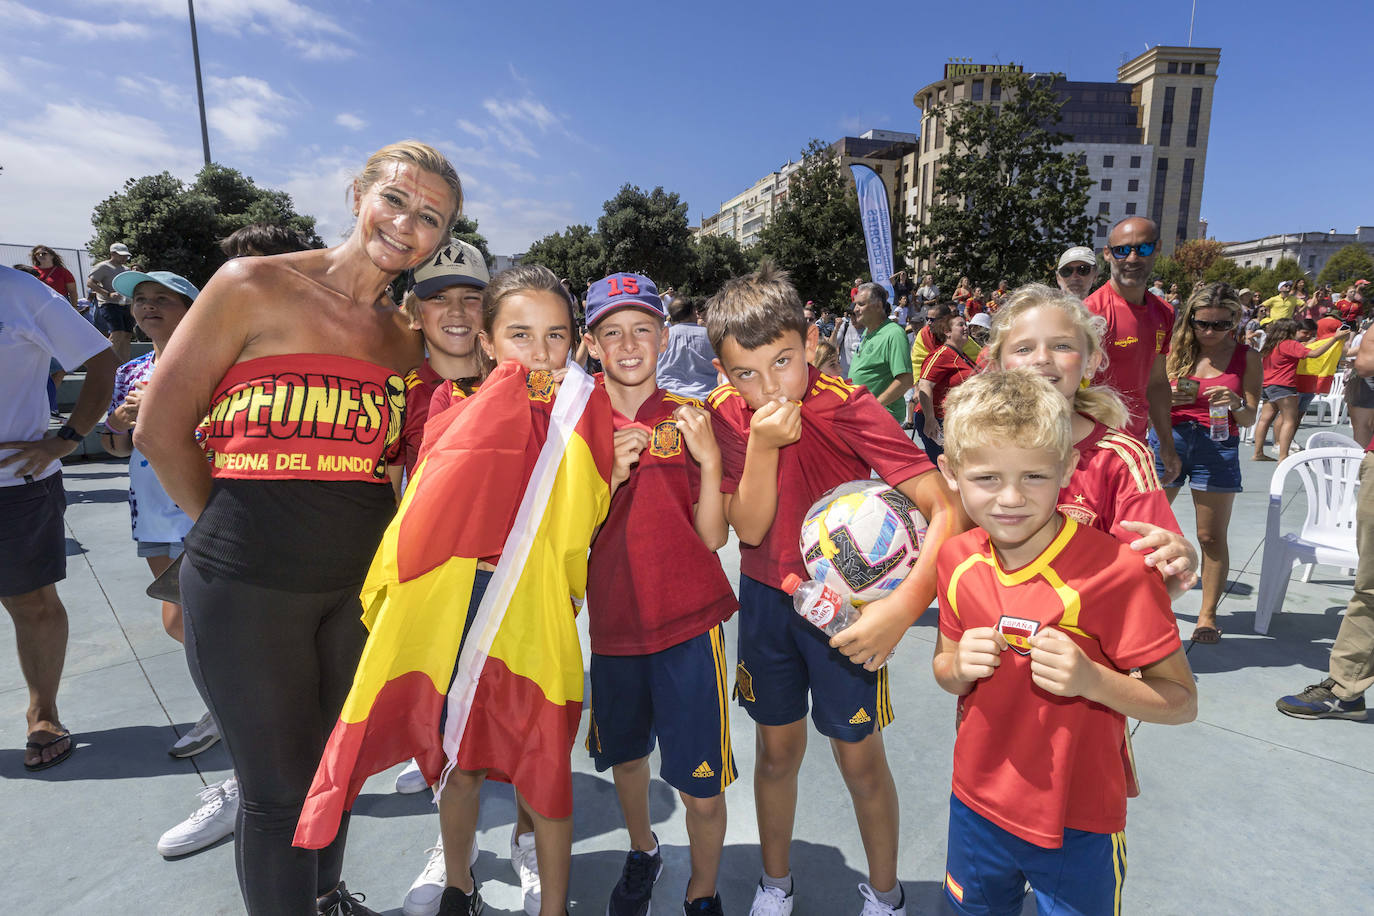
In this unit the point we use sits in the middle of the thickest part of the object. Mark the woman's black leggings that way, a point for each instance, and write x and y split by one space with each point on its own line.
274 667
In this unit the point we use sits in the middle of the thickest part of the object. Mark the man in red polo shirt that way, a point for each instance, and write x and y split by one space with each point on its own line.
1139 325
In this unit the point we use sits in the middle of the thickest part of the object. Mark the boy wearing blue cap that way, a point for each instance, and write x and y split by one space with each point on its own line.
656 599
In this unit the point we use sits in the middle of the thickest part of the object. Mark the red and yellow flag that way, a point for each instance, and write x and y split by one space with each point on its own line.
521 471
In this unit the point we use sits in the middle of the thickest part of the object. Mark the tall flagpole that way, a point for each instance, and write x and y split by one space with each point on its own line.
200 91
1191 17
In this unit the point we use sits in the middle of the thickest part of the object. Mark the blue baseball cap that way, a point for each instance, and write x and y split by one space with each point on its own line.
623 291
125 283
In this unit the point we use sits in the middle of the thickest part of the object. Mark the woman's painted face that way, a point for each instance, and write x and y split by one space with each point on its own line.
403 216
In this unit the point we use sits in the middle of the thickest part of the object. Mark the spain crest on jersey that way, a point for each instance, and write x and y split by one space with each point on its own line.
1079 512
1017 631
666 440
540 385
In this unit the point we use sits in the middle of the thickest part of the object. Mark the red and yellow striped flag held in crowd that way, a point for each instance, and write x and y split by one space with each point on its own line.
520 471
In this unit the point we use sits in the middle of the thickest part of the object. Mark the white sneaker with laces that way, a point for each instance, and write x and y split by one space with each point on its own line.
770 901
210 823
875 907
411 780
526 865
423 897
201 737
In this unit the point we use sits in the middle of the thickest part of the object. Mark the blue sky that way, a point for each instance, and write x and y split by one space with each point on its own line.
546 108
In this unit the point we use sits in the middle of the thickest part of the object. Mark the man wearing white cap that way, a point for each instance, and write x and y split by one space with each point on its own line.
1077 271
1282 305
112 308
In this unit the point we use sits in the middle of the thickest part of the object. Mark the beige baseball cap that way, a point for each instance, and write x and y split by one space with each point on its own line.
458 263
1076 255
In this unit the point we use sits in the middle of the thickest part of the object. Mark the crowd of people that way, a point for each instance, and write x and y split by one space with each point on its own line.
370 517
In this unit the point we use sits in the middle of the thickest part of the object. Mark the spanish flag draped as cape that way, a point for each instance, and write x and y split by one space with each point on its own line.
512 471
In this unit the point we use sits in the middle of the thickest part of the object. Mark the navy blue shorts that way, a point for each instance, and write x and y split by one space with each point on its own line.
1210 466
987 869
782 658
679 696
117 317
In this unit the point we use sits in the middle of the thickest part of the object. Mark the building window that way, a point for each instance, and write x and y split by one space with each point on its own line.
1173 66
1161 174
939 132
1200 70
1083 159
1194 114
1187 68
1311 262
1135 162
1185 200
1130 209
977 92
1103 208
1133 184
1106 184
1166 127
1101 230
995 90
1247 262
1108 161
1268 263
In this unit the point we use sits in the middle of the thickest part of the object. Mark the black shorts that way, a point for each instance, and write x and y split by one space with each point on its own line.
117 317
1360 391
33 542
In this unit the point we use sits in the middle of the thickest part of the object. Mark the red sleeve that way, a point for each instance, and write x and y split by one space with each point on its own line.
1294 349
1141 630
941 365
1134 503
952 553
726 416
1167 326
870 430
64 276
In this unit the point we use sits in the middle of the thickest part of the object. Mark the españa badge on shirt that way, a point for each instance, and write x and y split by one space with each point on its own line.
1017 631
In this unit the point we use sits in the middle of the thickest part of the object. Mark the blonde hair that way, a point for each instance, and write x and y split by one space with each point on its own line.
1006 407
755 309
1183 348
423 157
1097 401
825 352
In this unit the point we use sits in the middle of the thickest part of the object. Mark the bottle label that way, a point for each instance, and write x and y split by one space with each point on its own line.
824 608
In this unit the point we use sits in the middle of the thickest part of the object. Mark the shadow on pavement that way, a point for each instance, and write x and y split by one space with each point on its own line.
133 752
1293 639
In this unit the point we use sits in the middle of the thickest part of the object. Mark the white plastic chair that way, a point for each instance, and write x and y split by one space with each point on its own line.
1333 402
1247 433
1327 439
1330 479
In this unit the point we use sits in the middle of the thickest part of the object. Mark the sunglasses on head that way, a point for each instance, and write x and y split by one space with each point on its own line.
1083 270
1211 325
1144 249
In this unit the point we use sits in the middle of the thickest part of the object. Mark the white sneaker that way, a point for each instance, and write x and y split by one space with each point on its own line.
526 865
423 897
770 901
210 823
411 780
201 737
875 907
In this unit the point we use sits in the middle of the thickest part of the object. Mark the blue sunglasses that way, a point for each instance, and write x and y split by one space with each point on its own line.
1144 249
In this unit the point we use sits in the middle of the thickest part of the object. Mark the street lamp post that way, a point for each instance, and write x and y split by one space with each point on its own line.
200 91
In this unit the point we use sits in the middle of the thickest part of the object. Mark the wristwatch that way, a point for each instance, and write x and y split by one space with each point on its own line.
65 431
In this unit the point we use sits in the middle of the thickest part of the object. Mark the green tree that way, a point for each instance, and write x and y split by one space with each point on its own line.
575 254
1169 271
1007 199
465 229
1346 266
1195 256
172 226
648 234
716 259
816 235
1224 270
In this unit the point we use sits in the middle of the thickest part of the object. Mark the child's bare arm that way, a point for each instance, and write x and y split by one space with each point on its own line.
1164 693
709 512
751 508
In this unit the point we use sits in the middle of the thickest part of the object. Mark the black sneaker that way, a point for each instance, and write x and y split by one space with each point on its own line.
1318 702
456 903
339 902
635 889
703 906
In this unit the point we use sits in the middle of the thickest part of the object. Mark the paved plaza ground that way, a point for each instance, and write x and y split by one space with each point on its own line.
1243 811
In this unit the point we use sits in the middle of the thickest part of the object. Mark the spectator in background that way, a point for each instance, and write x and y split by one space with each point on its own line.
902 313
260 239
846 337
687 367
54 273
1077 271
1282 305
902 287
1282 352
979 331
1347 307
113 309
1300 291
1316 372
974 304
928 291
827 359
962 292
1174 298
882 363
948 367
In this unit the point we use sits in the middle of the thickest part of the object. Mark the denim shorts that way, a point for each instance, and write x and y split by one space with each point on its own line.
1278 392
1210 466
171 549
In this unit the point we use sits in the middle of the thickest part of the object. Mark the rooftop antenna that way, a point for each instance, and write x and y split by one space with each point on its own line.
1191 17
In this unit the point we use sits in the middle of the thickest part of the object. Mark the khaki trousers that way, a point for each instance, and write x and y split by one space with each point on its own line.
1352 657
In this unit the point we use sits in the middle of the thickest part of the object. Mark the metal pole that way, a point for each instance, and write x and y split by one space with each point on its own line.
1191 17
200 91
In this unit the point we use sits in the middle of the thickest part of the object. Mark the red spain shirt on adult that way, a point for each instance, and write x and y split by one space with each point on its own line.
1115 481
1135 336
846 435
946 368
1031 762
651 582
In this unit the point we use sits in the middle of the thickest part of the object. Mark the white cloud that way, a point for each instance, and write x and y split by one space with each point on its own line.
19 17
512 223
322 192
150 87
467 126
321 49
298 24
349 120
8 82
247 111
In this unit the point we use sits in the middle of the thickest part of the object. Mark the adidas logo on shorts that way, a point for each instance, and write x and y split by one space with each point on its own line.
860 717
703 771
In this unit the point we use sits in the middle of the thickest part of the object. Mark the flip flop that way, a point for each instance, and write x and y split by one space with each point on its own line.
1206 636
41 746
1264 458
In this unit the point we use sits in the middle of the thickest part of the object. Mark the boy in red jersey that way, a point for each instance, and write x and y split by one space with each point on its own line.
656 599
787 434
1041 620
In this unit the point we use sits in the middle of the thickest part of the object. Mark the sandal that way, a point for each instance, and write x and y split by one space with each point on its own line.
1206 636
41 746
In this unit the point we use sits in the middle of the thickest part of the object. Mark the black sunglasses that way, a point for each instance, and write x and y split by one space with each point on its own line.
1212 325
1083 270
1144 249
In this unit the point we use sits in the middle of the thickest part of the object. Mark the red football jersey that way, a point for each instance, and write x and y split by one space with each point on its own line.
651 582
1281 365
1116 481
1135 336
420 385
946 368
1031 762
846 435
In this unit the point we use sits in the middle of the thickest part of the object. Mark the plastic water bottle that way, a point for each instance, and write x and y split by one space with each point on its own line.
820 604
1219 421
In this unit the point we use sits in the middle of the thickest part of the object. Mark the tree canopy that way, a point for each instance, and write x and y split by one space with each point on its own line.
575 254
465 229
1346 266
172 226
648 234
1007 199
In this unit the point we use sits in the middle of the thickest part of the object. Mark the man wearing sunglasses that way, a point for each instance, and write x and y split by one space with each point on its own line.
1077 271
1139 325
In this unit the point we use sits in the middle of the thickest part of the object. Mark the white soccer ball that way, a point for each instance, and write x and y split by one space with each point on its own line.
862 538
